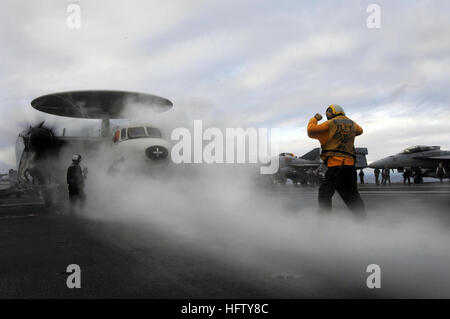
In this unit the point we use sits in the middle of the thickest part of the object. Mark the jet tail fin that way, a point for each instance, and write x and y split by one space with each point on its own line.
313 155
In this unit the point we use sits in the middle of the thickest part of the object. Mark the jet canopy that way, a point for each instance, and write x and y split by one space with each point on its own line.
287 154
420 148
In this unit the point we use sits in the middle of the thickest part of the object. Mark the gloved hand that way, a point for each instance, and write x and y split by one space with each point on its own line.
318 116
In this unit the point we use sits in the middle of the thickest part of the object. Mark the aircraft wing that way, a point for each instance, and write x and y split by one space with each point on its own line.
302 167
85 140
314 155
88 142
305 165
443 157
80 138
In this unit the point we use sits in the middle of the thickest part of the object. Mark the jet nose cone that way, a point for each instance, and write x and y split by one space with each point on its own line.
156 152
377 164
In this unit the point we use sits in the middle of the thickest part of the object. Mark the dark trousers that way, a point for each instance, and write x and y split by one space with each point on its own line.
342 179
76 197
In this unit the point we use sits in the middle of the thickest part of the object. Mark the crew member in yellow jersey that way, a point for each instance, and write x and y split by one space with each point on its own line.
337 137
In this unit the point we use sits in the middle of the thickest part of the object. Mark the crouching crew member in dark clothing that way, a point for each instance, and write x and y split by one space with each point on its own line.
75 181
336 137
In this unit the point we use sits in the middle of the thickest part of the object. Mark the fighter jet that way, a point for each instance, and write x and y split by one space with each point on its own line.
308 168
425 157
42 156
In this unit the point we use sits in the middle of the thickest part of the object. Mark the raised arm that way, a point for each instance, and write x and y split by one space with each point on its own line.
314 129
359 130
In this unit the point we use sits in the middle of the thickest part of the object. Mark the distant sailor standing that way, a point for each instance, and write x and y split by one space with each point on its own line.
440 172
418 176
386 176
377 175
361 176
75 181
407 176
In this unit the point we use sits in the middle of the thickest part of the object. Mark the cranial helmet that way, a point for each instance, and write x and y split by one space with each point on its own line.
336 109
76 158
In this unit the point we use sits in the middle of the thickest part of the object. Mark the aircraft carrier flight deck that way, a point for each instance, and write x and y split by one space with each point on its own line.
404 232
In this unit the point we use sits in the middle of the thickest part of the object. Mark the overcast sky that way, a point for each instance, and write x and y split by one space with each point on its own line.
250 63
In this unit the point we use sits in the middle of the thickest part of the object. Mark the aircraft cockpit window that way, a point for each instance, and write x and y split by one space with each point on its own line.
123 134
287 154
153 132
136 132
419 148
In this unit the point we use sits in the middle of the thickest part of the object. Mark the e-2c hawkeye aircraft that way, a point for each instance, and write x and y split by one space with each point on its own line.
43 157
427 158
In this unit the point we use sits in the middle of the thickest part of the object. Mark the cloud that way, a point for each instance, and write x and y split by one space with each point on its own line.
7 154
296 55
257 63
